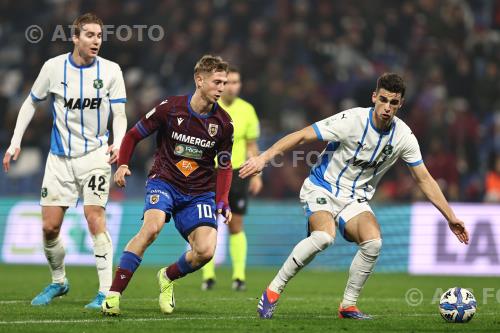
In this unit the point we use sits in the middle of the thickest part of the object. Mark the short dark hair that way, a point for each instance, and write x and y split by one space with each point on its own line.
391 82
86 18
210 64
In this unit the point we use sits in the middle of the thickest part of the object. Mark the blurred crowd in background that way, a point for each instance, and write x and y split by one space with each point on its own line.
301 61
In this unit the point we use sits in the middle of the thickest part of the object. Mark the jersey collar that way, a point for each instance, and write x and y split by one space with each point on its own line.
196 114
70 58
375 128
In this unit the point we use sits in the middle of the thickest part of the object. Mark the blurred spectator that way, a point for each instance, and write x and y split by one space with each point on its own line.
492 183
301 60
442 165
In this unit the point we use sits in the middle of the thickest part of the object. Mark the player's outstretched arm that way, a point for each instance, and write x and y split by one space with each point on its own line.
23 119
432 191
255 184
255 165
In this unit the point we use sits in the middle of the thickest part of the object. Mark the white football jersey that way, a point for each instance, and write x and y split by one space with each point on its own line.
81 98
358 154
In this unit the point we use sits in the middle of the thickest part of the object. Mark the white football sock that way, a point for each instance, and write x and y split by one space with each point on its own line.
103 252
302 254
54 252
361 267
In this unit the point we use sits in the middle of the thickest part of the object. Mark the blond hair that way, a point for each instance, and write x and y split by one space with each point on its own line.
210 64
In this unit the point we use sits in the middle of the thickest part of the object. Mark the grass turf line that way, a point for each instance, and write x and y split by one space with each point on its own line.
309 304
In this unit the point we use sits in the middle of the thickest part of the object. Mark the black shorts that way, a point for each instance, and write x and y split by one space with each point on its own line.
238 195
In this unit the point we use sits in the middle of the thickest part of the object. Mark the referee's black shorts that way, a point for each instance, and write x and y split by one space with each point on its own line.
238 195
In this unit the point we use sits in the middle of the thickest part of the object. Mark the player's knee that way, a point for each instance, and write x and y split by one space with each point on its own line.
371 247
321 239
204 254
95 219
51 231
150 232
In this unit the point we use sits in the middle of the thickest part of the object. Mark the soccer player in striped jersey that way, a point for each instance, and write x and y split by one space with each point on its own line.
82 89
363 143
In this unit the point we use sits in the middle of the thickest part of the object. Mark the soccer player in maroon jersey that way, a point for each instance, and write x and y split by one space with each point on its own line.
191 132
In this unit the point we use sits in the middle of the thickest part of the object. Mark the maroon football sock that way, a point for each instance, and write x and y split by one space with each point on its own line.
173 272
121 280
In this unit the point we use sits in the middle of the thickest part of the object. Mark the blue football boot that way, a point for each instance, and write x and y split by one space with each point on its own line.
50 292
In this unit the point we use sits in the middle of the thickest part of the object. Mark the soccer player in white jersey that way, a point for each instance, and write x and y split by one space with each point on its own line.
83 89
363 143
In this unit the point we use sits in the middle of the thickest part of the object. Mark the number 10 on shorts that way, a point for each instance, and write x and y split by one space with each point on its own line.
205 211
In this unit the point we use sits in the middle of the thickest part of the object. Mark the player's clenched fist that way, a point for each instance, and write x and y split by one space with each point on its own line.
224 214
120 174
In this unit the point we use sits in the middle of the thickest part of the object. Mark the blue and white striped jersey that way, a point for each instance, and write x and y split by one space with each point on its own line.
81 99
358 154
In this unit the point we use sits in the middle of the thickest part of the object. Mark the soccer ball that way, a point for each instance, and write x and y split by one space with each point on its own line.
457 305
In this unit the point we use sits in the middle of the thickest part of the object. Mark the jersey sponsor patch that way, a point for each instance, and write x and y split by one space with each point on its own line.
321 201
388 150
154 198
192 140
98 84
188 151
213 129
74 104
187 166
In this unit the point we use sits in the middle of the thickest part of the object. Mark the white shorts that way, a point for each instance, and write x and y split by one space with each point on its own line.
316 198
67 179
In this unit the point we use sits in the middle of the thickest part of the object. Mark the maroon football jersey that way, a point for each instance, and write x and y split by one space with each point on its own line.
187 143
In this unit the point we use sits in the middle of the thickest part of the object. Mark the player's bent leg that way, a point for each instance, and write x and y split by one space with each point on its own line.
52 218
365 231
322 227
203 240
238 251
208 274
103 252
154 219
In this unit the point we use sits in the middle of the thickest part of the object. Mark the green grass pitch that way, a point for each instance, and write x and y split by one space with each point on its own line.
308 305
